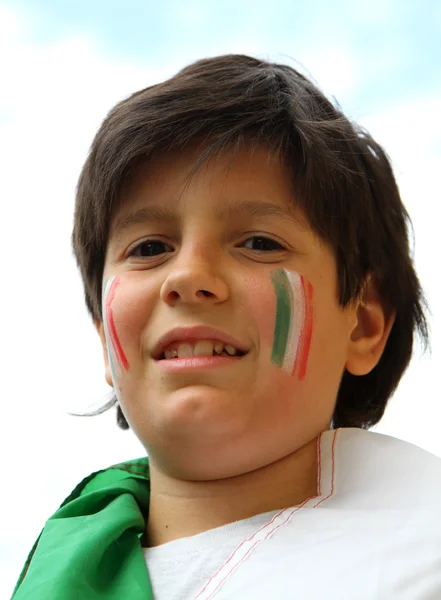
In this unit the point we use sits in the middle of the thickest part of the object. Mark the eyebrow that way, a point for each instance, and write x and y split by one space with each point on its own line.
224 212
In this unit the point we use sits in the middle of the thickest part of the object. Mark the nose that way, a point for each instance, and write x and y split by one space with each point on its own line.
195 278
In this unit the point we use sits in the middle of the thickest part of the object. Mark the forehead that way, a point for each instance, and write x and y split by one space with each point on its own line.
249 182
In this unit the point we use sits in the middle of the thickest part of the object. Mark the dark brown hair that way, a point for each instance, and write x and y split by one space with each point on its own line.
341 178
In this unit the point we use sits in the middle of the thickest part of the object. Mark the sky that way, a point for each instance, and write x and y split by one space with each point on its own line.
63 66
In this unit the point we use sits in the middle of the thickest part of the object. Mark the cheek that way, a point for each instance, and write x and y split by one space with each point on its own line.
261 305
283 307
126 309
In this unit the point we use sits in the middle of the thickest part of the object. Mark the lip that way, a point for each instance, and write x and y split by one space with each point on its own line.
196 363
192 334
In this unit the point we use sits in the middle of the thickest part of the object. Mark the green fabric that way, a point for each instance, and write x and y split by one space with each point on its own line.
90 549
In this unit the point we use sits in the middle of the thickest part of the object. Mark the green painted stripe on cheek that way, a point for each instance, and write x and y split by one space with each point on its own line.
283 315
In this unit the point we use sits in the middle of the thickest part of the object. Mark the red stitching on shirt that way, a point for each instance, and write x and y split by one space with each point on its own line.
237 549
333 471
319 460
272 531
269 534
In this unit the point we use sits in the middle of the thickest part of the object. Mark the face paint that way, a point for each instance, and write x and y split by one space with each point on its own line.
294 318
117 358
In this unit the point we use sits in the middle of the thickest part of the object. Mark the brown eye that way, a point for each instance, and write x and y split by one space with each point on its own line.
264 244
149 248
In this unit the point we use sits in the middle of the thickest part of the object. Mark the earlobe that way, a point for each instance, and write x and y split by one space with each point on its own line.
100 329
373 324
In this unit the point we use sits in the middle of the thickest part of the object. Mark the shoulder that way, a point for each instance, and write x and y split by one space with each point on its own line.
382 470
113 475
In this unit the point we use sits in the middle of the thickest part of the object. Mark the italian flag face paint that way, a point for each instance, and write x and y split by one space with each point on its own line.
117 358
294 318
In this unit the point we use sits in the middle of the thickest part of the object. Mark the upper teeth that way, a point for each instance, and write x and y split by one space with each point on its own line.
199 348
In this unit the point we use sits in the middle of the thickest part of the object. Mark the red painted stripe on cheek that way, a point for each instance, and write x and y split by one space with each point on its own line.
302 330
307 332
122 357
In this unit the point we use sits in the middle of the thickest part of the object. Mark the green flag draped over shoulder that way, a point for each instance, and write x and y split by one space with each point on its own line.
91 547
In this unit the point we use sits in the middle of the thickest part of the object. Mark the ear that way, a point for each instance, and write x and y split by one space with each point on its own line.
373 324
100 328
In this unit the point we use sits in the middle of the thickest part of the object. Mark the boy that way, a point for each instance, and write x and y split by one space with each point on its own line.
249 352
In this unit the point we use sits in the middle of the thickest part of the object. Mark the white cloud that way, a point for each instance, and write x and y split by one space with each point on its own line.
333 67
53 99
13 26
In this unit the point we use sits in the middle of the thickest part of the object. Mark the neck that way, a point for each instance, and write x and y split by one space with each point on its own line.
181 508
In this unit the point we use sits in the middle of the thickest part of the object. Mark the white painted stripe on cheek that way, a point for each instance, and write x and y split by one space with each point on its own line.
111 352
297 321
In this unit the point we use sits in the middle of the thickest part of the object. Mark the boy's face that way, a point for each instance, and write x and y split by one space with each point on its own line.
221 261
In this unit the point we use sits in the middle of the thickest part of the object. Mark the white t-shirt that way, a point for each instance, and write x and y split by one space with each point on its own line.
372 533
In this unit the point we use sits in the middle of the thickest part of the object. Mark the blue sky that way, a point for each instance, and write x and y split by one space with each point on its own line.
397 41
